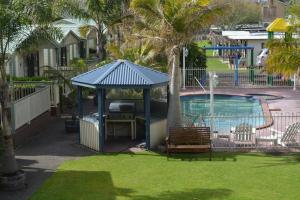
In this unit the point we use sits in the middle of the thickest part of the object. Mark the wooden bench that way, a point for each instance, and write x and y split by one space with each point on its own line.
189 139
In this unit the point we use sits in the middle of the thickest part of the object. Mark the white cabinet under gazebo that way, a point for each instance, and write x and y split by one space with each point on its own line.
121 74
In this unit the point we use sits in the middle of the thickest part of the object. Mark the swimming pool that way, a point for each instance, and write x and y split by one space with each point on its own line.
230 111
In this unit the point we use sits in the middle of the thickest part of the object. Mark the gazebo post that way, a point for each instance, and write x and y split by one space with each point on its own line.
101 104
146 94
79 100
80 108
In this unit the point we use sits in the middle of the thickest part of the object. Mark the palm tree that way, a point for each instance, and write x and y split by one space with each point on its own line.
18 19
140 52
104 13
284 57
172 24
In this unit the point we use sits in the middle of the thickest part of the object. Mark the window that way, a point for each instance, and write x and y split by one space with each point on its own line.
71 52
75 49
51 51
46 57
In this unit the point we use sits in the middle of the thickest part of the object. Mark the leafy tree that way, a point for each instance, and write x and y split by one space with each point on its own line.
140 52
18 20
284 56
171 24
239 12
104 13
196 57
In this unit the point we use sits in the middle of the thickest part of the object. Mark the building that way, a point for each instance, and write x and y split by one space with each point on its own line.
257 40
52 53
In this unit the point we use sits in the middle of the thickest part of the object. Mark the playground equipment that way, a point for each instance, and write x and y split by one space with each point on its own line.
236 59
280 25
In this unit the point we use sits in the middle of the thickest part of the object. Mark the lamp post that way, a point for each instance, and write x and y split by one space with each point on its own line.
212 84
185 53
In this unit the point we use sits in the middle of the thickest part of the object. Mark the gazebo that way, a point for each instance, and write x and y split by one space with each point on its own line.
120 74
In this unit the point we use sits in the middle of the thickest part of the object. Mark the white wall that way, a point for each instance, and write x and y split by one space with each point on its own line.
158 132
257 46
72 44
89 134
30 107
15 65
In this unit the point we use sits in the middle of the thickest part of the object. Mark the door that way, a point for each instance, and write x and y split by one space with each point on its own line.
63 56
33 64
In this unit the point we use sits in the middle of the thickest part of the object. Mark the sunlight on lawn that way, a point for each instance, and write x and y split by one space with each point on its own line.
149 176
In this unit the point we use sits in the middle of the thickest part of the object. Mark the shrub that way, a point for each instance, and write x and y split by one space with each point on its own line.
78 64
28 79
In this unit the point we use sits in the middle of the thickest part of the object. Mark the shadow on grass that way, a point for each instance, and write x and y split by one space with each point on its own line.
99 185
203 157
283 158
81 185
226 156
194 194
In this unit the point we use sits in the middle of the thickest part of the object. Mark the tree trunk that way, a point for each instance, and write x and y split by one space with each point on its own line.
100 43
9 163
174 112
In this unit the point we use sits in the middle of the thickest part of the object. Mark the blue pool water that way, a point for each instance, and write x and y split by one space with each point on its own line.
230 111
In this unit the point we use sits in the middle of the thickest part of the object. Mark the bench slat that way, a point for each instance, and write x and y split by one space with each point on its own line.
189 139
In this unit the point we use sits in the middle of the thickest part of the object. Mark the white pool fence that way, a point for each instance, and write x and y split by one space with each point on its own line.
243 78
276 131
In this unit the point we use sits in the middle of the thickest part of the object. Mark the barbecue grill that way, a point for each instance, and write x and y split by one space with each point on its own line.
121 110
121 117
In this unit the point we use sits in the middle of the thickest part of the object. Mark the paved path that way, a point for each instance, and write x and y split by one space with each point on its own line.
43 154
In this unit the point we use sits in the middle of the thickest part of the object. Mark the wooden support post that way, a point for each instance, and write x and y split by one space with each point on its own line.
100 119
79 101
80 108
146 94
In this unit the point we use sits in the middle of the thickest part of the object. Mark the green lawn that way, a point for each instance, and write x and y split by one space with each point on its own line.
213 64
150 176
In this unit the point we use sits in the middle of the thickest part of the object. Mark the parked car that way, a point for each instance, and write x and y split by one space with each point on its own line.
262 57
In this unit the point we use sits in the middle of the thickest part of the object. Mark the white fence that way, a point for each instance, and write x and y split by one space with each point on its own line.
276 131
24 88
31 106
245 78
89 134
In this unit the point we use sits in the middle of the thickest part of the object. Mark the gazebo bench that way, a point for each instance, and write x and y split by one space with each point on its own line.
189 140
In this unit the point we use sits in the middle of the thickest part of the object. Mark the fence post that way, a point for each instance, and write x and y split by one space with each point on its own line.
295 82
211 92
270 80
183 68
236 71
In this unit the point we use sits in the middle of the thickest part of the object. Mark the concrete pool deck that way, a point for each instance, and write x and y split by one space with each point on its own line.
284 111
288 104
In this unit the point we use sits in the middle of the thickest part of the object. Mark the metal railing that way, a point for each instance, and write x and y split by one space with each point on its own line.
262 132
22 89
30 107
244 78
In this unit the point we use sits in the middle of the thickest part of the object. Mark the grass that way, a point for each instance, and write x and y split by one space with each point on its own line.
150 176
213 64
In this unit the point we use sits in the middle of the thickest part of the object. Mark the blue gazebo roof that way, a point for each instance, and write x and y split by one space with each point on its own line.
121 73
